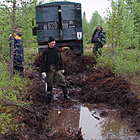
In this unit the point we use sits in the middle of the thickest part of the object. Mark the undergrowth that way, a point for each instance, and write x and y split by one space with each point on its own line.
13 92
11 98
126 62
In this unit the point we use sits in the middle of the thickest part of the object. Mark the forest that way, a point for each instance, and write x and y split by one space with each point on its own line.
23 104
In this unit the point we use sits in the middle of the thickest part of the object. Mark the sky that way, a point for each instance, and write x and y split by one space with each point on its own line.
90 6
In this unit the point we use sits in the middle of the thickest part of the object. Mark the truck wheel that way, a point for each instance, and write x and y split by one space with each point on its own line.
78 54
78 48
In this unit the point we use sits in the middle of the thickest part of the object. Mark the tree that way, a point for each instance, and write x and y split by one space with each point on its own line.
121 22
96 19
16 13
85 25
12 41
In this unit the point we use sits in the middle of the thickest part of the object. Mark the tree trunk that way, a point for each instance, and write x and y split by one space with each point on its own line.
12 41
112 36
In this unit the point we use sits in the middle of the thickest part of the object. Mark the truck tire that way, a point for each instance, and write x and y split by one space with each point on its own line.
78 48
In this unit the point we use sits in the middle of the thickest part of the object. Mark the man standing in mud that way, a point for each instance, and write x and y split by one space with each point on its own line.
52 66
98 39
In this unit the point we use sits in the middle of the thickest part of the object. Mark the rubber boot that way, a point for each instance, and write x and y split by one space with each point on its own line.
65 92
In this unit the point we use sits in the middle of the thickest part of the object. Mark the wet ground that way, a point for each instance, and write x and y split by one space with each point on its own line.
99 88
94 126
96 121
101 103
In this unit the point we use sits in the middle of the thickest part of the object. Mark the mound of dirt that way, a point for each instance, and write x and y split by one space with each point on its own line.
77 64
73 64
93 85
105 87
101 86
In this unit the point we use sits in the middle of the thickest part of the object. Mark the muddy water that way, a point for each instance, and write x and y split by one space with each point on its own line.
93 126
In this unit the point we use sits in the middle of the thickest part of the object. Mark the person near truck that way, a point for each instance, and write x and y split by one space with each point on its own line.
18 51
52 66
98 39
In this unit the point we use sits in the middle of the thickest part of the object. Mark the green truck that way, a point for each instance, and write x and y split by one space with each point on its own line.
63 20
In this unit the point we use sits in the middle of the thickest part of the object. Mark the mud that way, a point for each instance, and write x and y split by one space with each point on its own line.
89 84
86 84
95 123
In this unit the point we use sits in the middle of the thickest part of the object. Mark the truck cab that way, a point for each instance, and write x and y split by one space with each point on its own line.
62 20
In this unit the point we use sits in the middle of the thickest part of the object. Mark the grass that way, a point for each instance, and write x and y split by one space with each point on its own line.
122 62
12 94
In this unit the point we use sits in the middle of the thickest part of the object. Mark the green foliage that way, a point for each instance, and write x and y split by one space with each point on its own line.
11 96
86 29
5 23
122 24
122 62
30 54
24 15
25 11
12 91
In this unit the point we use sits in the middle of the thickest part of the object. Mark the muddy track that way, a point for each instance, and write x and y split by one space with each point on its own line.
93 85
86 84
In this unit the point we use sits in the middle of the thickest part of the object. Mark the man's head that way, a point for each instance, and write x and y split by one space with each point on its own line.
51 41
18 29
98 27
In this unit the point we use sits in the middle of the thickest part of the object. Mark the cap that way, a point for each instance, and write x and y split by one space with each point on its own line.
98 25
51 38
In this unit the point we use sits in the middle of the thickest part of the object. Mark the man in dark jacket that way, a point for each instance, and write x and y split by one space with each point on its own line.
52 66
98 39
18 51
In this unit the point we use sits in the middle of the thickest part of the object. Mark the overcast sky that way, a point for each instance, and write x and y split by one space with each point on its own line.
90 6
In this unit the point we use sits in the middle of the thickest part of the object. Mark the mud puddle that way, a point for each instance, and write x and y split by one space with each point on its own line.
95 123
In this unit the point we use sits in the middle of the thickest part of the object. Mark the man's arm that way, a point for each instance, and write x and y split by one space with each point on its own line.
103 37
92 40
61 62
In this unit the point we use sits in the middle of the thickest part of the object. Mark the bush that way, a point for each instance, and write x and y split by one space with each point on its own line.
11 97
121 61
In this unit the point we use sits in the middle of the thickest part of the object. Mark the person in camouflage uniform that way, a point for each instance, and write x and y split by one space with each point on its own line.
52 66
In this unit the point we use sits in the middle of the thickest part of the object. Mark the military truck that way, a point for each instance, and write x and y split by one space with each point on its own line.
63 20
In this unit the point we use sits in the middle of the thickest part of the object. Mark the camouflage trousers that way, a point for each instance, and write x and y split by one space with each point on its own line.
96 48
58 76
